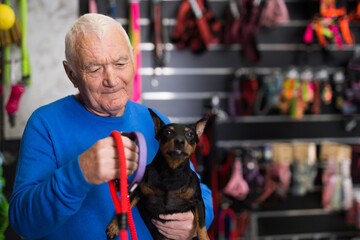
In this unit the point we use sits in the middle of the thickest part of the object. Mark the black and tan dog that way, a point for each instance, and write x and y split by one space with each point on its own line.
169 185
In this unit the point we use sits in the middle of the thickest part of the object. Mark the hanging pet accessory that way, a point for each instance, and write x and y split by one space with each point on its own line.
237 187
17 88
135 39
330 25
194 17
161 36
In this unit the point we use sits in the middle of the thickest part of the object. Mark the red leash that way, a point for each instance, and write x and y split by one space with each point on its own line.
122 205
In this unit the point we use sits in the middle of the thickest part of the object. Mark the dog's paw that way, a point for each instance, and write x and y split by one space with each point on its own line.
112 230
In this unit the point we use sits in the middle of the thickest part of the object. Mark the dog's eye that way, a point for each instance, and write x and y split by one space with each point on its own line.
169 132
189 134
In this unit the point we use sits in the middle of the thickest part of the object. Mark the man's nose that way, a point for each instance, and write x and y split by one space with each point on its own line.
110 78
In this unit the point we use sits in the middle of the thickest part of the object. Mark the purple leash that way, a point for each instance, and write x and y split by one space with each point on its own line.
140 140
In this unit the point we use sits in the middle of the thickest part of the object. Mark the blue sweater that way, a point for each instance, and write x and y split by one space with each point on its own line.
51 198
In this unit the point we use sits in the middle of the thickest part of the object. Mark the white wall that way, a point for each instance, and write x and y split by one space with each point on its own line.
48 22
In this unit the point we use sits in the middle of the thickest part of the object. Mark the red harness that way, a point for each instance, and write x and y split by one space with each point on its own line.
248 92
194 17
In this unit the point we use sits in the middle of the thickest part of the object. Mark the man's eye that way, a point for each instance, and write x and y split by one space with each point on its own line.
93 69
119 64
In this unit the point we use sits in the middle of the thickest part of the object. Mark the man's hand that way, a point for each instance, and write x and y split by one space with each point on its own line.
177 226
100 163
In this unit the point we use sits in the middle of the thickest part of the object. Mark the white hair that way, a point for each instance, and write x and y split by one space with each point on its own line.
91 23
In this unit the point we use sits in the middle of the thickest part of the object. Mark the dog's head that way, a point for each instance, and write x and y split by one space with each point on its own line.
177 141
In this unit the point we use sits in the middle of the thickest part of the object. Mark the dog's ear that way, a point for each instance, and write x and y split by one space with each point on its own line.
157 121
200 126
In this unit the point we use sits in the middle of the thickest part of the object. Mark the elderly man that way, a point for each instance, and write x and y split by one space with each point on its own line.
66 155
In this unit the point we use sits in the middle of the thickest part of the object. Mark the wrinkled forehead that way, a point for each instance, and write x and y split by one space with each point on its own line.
94 49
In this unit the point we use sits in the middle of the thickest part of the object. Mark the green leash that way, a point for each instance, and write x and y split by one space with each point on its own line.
6 65
25 63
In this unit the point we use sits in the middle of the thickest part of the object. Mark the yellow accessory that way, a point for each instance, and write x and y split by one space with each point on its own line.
7 17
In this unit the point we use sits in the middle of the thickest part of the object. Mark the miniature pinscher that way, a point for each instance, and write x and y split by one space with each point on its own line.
169 185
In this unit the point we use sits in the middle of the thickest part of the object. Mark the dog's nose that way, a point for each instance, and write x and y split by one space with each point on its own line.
180 142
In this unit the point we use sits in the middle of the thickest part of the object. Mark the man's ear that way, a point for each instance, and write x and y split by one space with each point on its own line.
157 121
70 73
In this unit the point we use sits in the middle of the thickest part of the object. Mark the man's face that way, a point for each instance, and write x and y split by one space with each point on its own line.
105 73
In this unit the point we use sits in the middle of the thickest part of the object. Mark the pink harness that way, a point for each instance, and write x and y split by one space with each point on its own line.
274 13
237 186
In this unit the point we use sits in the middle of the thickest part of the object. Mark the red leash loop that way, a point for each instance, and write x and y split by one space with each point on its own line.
122 205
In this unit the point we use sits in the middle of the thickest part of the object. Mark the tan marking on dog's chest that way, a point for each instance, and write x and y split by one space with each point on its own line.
149 190
186 193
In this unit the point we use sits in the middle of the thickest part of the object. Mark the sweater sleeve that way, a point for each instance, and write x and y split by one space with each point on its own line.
44 195
208 202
